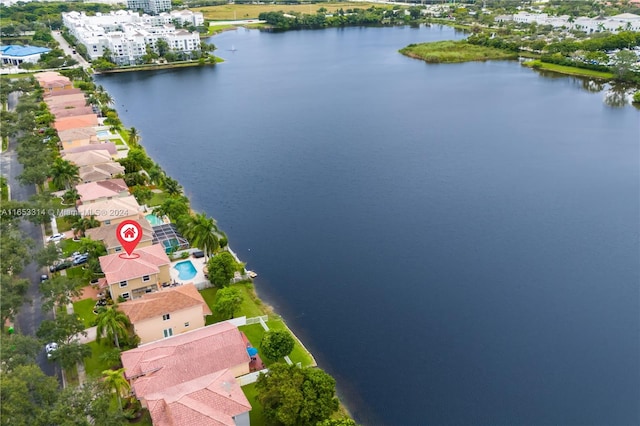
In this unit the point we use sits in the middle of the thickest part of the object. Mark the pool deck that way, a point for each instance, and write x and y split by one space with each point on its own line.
198 279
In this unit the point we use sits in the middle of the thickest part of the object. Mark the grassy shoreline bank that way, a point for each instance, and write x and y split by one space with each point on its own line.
447 52
566 70
151 67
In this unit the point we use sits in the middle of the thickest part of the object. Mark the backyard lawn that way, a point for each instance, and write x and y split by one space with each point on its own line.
84 309
249 308
68 247
254 333
256 415
93 365
157 199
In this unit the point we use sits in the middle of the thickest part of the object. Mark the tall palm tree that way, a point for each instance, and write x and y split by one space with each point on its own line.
115 381
201 231
172 186
111 323
71 196
86 223
64 173
156 175
134 136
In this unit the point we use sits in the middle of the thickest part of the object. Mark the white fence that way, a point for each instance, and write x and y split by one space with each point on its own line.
240 321
250 378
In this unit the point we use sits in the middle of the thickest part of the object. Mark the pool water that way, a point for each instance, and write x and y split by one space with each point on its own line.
103 133
186 270
153 220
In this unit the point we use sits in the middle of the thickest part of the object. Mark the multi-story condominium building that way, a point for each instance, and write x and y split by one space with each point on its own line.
126 34
622 22
149 6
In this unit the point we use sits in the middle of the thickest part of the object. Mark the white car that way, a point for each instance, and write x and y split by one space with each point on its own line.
50 349
55 238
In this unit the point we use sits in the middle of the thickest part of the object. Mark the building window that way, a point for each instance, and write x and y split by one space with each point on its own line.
123 284
186 324
125 295
166 317
145 278
107 222
168 332
118 249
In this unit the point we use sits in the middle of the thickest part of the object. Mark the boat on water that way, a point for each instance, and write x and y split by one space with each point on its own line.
252 274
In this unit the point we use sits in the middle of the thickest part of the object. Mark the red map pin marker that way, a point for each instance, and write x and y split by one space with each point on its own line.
129 233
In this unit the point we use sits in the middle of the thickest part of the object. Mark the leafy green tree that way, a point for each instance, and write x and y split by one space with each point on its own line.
134 137
623 60
200 230
64 173
70 196
228 301
276 344
345 421
156 174
84 223
70 354
86 405
221 268
59 291
13 294
93 248
162 46
48 255
17 349
172 186
174 207
296 396
112 324
26 396
636 97
15 248
62 330
115 381
142 194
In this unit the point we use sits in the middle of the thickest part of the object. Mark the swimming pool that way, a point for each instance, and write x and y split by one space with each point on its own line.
153 220
186 270
103 133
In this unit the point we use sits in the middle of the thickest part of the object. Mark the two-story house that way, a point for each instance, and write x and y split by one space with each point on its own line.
107 234
102 190
166 313
133 276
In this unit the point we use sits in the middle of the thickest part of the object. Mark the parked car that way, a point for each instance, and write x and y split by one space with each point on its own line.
60 266
79 260
44 277
55 238
50 348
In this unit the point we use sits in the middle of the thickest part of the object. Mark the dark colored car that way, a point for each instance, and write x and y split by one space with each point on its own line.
60 266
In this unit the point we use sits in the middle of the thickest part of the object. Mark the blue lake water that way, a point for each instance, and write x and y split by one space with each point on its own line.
456 244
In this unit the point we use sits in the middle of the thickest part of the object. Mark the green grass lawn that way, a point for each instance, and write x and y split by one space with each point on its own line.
251 306
157 199
455 51
562 69
93 365
254 333
5 188
256 415
68 247
75 272
84 309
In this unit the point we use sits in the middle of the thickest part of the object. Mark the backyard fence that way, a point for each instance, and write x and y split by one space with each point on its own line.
240 321
250 378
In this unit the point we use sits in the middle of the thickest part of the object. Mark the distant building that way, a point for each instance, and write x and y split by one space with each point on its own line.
622 22
16 55
149 6
126 34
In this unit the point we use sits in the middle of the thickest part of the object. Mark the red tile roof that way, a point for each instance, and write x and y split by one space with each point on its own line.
157 304
109 146
179 359
210 400
67 123
150 259
102 189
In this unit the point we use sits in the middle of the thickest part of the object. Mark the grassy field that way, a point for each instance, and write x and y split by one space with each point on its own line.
454 51
251 11
568 70
84 309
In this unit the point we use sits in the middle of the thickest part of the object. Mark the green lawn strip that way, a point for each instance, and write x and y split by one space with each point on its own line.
157 199
71 376
5 188
84 309
563 69
254 333
455 51
256 415
63 222
299 354
250 307
68 247
93 365
5 143
75 272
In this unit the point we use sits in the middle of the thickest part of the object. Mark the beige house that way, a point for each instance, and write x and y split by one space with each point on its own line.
189 379
132 277
74 138
71 111
107 234
112 211
110 147
52 81
166 313
96 172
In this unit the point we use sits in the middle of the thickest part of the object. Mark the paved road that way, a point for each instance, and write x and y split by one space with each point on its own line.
31 314
69 49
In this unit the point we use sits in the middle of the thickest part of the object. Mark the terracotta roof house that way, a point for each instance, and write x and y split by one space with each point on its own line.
183 379
62 92
211 400
77 137
180 309
131 277
102 171
108 146
107 234
71 112
102 190
52 81
111 211
74 99
67 123
89 158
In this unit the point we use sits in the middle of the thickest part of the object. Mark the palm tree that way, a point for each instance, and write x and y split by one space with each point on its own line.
201 231
172 186
64 173
156 175
134 137
115 381
86 223
71 196
111 323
